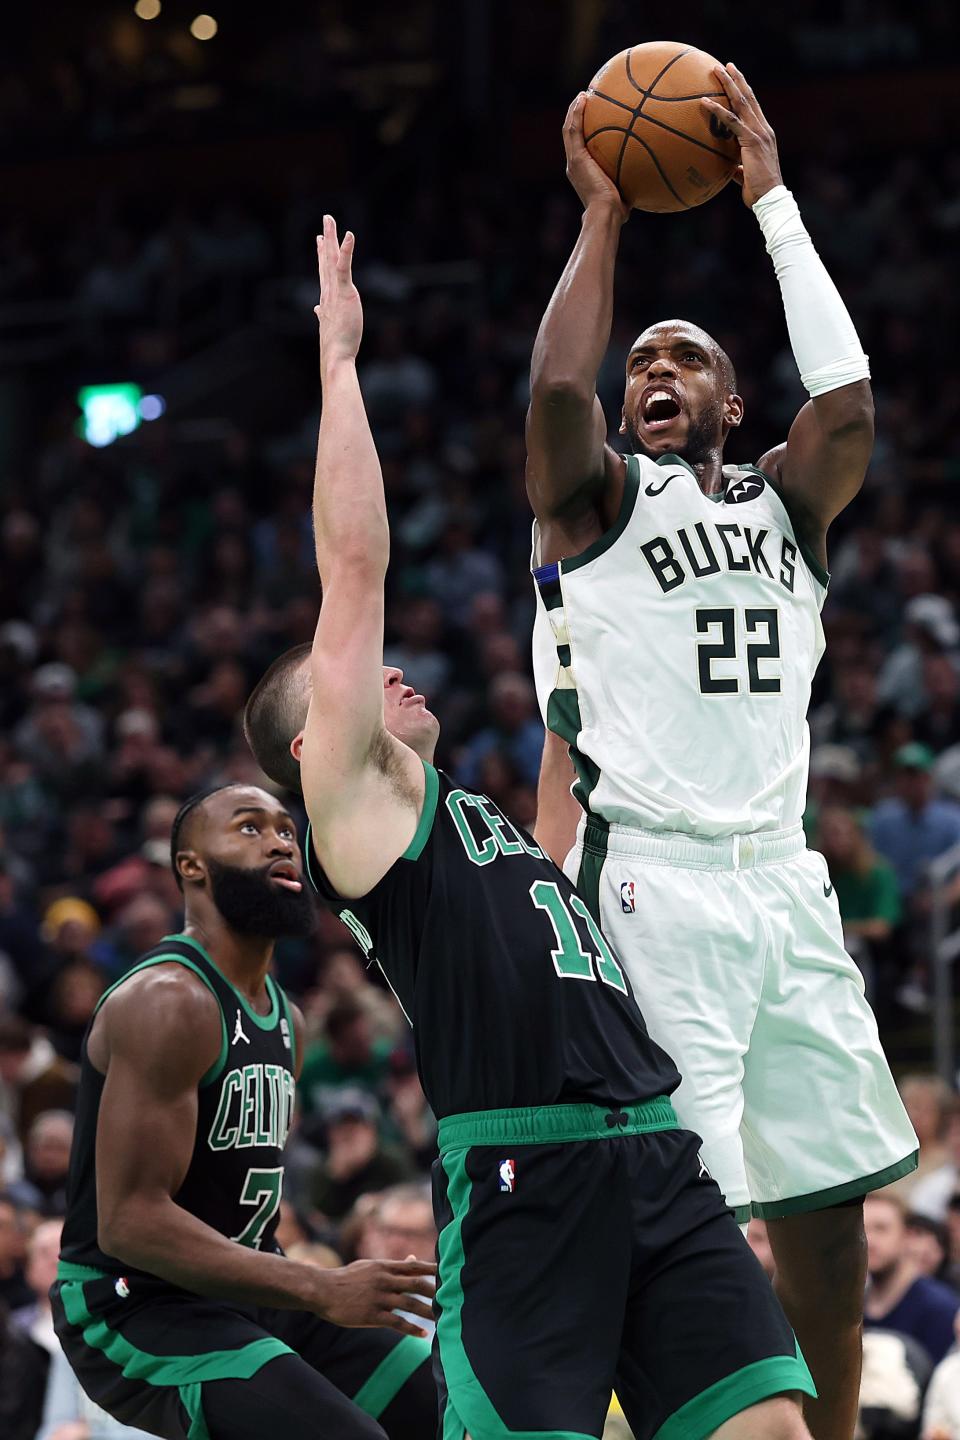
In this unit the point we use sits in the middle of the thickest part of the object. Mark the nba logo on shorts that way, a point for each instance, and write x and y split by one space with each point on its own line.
628 902
508 1176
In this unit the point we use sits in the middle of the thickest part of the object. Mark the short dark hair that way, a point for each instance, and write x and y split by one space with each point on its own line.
182 815
273 716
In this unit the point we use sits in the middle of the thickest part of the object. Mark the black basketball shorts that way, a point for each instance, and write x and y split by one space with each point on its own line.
584 1250
187 1368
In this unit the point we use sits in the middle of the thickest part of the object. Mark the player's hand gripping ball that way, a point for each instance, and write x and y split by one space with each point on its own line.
644 125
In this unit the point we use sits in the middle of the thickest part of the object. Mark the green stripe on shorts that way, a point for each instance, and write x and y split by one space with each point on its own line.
706 1412
177 1371
391 1375
469 1408
554 1124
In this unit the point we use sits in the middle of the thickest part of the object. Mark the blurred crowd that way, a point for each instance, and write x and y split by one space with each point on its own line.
144 587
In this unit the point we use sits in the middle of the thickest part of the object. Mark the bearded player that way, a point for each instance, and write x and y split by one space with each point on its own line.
581 1242
172 1301
677 634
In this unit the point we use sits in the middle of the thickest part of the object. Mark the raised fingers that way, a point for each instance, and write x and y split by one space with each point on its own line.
739 102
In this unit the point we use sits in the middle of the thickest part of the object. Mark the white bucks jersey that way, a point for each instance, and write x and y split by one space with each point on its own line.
675 655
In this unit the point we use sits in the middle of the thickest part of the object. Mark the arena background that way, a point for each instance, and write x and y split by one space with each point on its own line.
161 192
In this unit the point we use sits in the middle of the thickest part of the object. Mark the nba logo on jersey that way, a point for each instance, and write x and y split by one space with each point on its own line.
628 899
508 1176
285 1032
122 1287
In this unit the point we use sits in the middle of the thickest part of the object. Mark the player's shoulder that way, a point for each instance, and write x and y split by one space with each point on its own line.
160 999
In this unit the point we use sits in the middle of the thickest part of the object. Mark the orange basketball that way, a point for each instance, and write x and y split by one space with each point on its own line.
644 125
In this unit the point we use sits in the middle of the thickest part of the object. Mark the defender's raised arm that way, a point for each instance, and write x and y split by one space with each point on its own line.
566 430
363 789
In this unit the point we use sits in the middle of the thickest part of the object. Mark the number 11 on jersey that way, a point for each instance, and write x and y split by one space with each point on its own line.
571 960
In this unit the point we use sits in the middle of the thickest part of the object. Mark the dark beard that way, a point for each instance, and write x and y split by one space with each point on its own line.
251 904
701 443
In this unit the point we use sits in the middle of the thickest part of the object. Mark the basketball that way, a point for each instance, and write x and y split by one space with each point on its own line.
644 125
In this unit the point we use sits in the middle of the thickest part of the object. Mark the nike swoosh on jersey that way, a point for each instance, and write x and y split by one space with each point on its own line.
828 890
659 489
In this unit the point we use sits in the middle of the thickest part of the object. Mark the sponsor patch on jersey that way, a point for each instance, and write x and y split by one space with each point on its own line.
628 897
748 487
122 1287
507 1172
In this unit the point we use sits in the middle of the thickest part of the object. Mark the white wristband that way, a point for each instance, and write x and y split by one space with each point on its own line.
825 344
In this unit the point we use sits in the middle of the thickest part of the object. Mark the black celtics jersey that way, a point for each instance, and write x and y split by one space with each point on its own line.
245 1108
514 995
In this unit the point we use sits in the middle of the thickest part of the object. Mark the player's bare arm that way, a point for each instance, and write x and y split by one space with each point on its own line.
823 462
574 479
154 1040
363 788
557 810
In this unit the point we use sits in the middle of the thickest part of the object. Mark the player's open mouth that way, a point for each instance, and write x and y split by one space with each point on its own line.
286 875
659 407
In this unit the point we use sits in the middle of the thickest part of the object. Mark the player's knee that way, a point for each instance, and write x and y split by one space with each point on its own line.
822 1267
779 1418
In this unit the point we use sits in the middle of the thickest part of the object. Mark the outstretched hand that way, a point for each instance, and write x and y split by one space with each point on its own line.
591 183
369 1292
340 312
759 169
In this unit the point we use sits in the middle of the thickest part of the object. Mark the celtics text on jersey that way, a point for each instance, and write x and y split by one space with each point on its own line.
245 1107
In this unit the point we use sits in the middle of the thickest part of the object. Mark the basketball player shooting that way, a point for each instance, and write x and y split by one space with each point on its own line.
677 634
581 1242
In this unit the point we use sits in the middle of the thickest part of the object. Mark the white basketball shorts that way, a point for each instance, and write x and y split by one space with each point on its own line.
734 947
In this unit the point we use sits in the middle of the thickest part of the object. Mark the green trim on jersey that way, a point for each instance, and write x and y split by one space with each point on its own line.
811 561
592 859
631 489
554 1124
393 1372
469 1409
172 1370
564 719
706 1412
265 1022
431 790
288 1016
174 959
837 1194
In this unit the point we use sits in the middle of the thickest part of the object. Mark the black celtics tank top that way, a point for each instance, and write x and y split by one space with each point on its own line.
244 1111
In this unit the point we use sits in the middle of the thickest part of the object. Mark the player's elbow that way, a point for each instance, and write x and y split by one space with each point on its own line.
118 1235
554 390
849 414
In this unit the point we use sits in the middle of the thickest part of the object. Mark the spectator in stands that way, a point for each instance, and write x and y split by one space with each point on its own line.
14 1290
930 1103
400 1224
347 1056
22 1378
866 886
515 731
356 1160
941 1407
33 1078
928 1247
35 1320
894 1377
913 827
46 1164
932 1193
898 1297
